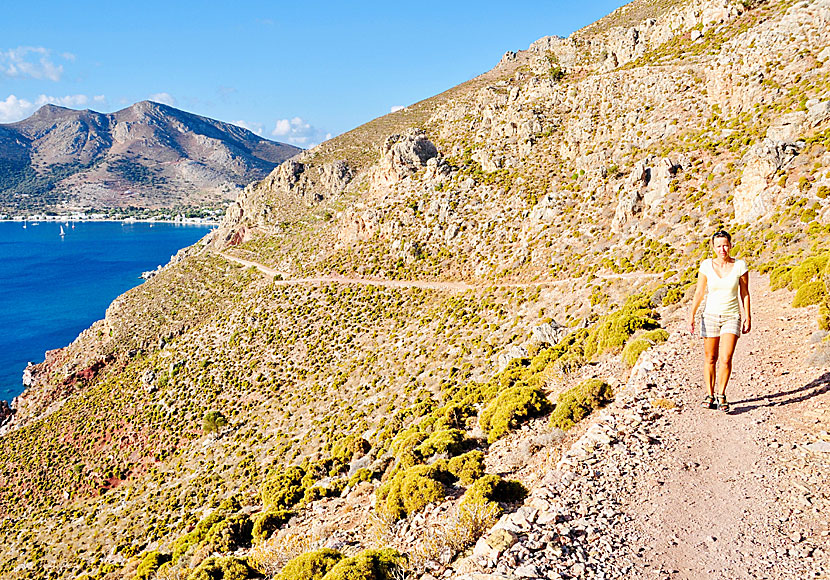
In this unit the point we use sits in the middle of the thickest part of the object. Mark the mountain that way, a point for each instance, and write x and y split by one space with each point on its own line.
148 155
398 341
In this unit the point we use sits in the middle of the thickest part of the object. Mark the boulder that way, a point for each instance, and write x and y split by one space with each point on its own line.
550 333
511 353
756 196
401 156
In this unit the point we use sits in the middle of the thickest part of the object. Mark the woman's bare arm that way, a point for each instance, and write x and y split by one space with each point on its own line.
743 288
700 292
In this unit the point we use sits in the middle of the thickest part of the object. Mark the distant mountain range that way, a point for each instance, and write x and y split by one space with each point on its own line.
148 155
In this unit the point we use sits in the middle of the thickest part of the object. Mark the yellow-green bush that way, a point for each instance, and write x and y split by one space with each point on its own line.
230 533
810 293
824 316
223 569
511 408
267 523
578 402
492 488
410 490
612 331
632 351
282 489
655 336
449 441
150 564
361 475
311 565
468 467
808 270
368 565
780 277
674 295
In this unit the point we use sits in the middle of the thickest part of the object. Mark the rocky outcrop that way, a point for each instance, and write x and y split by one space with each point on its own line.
401 156
757 195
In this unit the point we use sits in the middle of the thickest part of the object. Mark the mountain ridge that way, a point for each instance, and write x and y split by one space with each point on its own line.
146 155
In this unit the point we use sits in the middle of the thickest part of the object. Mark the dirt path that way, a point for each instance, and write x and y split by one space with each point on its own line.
738 495
457 286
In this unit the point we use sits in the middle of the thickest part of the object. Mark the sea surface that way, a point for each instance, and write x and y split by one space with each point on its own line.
53 287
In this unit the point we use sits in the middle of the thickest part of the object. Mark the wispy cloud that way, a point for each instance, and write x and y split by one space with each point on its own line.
252 127
14 109
299 132
34 62
163 98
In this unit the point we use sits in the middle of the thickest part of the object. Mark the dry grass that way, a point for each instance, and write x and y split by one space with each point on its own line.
663 403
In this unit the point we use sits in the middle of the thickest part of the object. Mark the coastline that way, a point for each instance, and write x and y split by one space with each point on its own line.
64 219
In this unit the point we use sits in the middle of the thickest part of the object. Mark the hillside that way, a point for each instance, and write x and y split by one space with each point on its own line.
398 342
148 155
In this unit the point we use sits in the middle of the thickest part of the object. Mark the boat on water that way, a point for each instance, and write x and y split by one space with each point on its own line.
63 233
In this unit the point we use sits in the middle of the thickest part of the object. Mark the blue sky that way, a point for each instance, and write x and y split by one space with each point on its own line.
294 72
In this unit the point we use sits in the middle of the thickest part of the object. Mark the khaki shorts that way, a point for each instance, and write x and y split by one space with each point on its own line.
716 325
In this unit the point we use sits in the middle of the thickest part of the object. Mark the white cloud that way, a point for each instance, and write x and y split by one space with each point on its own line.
163 98
396 108
14 109
299 132
252 127
33 62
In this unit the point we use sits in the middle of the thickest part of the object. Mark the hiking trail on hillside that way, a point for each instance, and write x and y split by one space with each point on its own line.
659 487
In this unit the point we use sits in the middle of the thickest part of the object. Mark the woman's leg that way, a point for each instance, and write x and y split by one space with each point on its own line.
728 342
710 349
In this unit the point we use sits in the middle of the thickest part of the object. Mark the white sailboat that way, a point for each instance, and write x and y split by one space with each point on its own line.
63 233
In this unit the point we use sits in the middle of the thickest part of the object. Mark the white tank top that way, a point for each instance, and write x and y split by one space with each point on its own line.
722 296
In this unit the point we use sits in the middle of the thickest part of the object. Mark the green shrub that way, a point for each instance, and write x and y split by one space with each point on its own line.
468 467
267 523
197 536
311 565
213 421
655 336
223 569
230 533
824 316
511 408
449 441
674 295
410 490
780 277
318 492
612 331
361 475
632 351
807 271
578 402
283 489
492 488
368 565
150 564
810 293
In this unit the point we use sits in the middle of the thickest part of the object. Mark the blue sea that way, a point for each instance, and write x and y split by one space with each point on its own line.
53 287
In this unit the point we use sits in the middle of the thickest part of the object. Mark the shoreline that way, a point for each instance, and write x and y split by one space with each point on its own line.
64 219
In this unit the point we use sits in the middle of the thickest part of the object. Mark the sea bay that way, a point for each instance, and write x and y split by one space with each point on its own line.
52 287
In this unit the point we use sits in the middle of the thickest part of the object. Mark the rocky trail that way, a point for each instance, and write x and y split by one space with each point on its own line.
284 278
659 487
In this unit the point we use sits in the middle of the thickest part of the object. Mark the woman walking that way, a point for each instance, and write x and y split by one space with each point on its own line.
724 281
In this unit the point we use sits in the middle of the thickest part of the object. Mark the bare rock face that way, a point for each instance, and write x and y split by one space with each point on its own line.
756 195
644 190
549 332
402 156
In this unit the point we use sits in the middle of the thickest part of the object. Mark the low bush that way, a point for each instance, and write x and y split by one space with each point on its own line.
267 523
674 295
810 293
824 316
612 331
282 489
368 565
411 490
449 441
311 565
632 351
511 408
213 421
780 277
808 270
230 533
468 467
655 336
150 564
223 569
578 402
361 475
492 488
